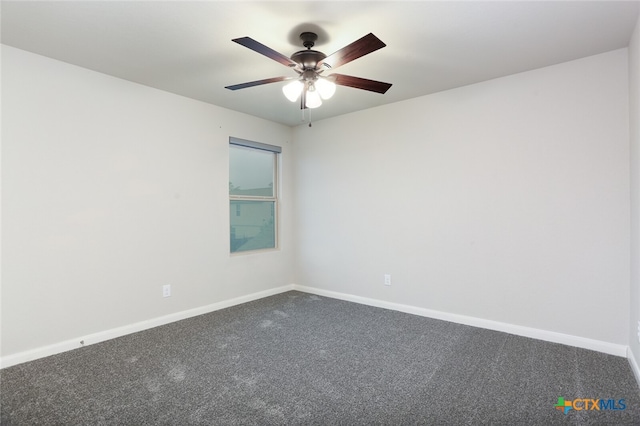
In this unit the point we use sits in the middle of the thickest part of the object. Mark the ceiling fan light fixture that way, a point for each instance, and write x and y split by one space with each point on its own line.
325 87
292 90
313 98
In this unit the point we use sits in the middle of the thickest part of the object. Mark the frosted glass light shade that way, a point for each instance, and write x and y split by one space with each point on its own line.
325 87
292 90
313 99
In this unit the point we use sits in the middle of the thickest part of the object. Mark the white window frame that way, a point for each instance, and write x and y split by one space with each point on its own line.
276 150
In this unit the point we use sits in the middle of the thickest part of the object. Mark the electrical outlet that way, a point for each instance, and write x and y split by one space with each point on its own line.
166 290
387 279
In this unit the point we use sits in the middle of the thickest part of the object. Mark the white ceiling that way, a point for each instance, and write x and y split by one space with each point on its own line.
185 47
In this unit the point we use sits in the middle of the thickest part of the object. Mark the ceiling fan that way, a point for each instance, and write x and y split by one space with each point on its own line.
310 86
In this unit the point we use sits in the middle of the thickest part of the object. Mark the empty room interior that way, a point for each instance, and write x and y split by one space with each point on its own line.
449 234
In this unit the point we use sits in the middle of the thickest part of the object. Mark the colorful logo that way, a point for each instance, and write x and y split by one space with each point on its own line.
563 405
589 404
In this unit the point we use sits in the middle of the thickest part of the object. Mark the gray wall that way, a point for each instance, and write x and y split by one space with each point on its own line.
506 200
112 189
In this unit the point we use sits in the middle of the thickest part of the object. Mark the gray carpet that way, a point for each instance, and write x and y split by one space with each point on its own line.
296 358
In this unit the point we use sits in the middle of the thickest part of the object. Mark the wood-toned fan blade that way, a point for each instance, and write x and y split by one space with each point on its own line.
257 83
361 83
355 50
264 50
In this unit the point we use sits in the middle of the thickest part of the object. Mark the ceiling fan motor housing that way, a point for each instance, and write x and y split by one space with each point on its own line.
308 59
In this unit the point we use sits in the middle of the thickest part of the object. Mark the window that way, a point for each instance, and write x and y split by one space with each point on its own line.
253 195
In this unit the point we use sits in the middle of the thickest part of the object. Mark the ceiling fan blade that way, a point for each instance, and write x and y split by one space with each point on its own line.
258 83
264 50
360 83
355 50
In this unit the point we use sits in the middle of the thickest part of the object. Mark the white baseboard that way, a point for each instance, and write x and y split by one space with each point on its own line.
634 365
549 336
67 345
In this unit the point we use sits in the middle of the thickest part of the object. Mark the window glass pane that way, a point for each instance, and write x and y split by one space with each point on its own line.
252 225
251 172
